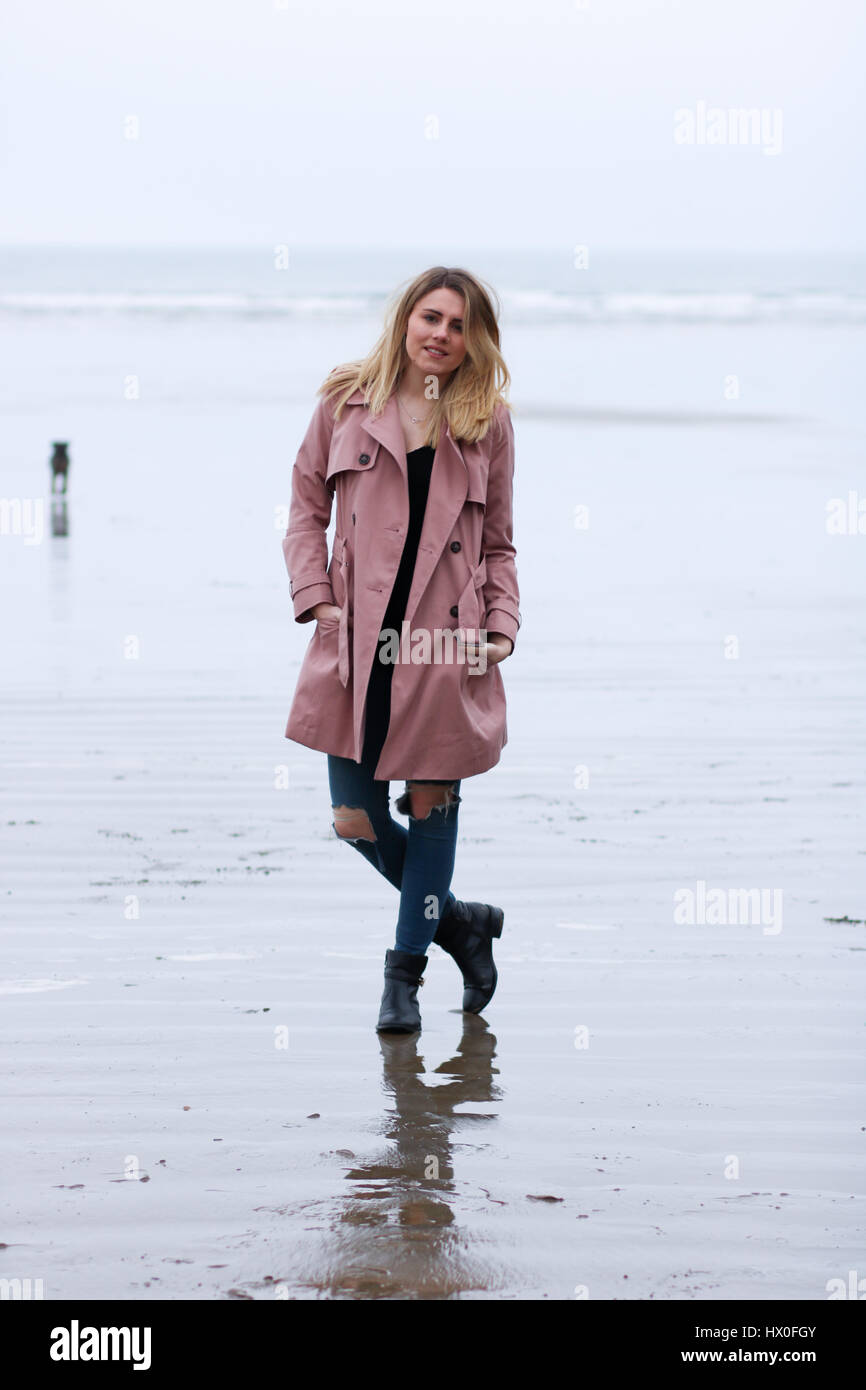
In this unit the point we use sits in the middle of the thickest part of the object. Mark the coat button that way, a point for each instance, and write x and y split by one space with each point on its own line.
453 611
353 518
455 546
363 458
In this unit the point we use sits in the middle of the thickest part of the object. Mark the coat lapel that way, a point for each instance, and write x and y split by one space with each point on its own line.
449 485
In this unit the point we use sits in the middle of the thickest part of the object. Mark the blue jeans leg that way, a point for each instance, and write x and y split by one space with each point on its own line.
418 862
431 848
352 784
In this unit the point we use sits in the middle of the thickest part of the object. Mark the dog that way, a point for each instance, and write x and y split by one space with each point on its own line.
59 467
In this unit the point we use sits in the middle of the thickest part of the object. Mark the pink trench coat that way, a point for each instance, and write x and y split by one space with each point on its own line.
445 722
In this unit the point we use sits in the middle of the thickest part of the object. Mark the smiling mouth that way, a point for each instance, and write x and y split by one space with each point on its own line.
436 352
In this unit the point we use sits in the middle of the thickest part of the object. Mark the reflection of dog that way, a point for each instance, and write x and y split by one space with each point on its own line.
59 467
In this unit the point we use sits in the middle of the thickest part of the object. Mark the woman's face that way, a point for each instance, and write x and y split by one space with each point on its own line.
434 333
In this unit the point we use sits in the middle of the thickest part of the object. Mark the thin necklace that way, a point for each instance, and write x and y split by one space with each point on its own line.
416 419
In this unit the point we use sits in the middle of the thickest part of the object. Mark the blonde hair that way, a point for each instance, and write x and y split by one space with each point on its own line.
474 388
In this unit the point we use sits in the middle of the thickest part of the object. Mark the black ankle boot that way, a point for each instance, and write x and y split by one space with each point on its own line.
466 933
399 1012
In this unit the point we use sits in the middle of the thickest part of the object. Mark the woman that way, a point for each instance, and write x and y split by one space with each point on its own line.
400 678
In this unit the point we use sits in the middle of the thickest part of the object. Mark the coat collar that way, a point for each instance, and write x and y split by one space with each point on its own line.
387 429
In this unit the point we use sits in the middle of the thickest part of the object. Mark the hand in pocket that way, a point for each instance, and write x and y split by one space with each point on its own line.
327 613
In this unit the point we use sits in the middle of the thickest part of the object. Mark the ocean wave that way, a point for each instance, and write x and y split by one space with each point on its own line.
519 306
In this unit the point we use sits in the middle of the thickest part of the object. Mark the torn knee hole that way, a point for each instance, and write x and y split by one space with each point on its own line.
352 823
421 798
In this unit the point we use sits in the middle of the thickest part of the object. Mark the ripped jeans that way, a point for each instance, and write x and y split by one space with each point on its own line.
419 862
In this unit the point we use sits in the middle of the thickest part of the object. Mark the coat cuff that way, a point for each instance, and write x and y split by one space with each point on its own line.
306 598
498 620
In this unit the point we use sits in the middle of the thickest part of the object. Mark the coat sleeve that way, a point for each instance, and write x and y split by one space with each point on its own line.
305 547
501 592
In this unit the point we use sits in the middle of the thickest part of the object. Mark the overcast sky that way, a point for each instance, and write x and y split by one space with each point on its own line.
308 122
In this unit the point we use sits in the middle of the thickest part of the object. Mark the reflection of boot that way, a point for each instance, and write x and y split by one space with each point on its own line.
399 1012
467 933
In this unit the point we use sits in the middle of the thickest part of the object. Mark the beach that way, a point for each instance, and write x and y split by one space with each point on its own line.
197 1103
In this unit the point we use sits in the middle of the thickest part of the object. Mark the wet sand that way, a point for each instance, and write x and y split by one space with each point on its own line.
191 963
490 1158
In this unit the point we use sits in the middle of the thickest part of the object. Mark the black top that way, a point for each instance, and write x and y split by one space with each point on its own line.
378 706
420 468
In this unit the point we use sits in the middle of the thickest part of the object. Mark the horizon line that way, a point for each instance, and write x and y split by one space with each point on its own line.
318 248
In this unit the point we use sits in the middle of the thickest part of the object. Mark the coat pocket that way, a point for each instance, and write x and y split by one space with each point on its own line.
470 604
337 571
334 640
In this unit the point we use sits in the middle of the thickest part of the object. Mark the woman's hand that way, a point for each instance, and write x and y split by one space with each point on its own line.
329 612
498 647
489 653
